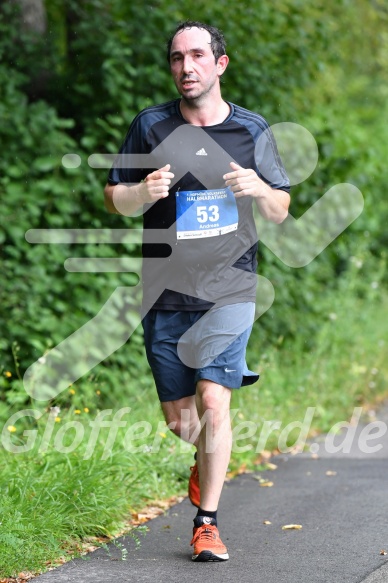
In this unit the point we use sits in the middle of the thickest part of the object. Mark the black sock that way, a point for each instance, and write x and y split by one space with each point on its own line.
205 513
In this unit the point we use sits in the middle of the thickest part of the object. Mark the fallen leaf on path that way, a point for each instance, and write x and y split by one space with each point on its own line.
241 470
330 473
165 504
139 518
266 484
292 527
267 522
383 552
148 513
270 466
265 454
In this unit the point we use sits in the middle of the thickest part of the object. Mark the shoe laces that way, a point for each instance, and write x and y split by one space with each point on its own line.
206 532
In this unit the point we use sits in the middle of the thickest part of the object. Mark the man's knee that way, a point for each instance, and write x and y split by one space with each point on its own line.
212 397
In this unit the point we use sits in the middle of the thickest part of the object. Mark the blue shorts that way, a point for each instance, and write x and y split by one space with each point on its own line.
185 347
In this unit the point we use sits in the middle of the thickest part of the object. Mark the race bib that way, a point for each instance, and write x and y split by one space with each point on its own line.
205 213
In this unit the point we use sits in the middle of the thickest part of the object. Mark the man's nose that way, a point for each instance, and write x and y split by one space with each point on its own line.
187 64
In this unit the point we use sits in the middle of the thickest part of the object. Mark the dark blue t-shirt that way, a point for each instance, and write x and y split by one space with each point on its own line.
190 258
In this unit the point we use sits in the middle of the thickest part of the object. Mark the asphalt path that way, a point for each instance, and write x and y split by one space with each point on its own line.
340 499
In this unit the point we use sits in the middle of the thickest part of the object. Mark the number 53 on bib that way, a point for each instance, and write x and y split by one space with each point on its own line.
205 213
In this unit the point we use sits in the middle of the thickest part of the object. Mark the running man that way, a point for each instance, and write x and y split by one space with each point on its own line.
200 285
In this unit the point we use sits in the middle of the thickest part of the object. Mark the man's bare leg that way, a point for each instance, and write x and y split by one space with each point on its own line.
211 404
209 408
215 441
183 416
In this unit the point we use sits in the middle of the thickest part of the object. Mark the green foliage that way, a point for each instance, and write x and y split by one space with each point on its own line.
345 367
80 88
61 496
76 89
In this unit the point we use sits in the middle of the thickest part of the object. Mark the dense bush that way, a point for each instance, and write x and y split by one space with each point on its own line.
76 89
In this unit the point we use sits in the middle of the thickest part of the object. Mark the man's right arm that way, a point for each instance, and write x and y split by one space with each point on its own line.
127 200
122 199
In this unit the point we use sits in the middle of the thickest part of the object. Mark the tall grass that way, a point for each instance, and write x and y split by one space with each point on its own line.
51 500
346 369
61 492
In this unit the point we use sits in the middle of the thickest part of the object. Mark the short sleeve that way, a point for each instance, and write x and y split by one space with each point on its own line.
122 171
268 161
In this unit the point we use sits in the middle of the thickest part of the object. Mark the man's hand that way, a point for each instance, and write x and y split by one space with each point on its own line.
127 200
245 182
272 203
156 185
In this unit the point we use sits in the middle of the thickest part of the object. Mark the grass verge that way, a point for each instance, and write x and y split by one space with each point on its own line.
79 478
347 369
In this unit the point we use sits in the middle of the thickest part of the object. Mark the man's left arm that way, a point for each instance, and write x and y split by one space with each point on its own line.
272 203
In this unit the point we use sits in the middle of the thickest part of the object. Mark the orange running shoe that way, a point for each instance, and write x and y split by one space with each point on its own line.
207 543
194 494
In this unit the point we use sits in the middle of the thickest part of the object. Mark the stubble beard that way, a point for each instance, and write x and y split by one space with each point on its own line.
199 100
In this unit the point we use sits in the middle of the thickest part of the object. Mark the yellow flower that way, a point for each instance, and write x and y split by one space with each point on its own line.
77 411
8 374
86 410
98 392
57 419
162 435
11 428
72 391
358 369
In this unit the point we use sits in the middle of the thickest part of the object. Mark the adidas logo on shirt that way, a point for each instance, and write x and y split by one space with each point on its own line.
201 152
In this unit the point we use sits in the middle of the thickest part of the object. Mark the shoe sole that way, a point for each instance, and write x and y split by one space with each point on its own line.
206 556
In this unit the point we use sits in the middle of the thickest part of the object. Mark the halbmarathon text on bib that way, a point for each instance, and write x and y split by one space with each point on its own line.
205 213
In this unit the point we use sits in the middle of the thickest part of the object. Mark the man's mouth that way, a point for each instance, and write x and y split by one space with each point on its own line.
187 83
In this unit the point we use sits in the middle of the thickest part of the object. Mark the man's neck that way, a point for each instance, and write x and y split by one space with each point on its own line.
205 115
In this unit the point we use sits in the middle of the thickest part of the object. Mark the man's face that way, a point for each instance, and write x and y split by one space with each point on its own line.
193 65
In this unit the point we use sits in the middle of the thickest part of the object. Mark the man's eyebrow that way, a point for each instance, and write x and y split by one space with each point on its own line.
199 50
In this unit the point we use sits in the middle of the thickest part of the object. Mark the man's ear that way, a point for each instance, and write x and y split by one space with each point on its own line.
222 63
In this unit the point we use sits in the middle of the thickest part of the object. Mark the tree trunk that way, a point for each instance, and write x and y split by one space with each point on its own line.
33 15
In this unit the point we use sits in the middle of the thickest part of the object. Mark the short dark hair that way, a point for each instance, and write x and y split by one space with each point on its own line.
217 43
